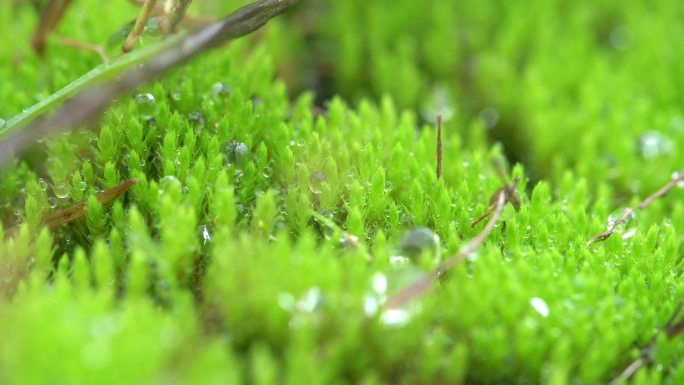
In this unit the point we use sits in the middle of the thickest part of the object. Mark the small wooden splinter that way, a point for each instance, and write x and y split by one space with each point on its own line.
79 209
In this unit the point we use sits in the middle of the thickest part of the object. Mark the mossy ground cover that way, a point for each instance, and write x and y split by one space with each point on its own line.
280 180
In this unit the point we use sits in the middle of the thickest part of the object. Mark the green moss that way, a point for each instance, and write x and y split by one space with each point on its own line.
263 236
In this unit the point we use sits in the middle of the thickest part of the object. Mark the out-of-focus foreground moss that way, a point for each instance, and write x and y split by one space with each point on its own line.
279 177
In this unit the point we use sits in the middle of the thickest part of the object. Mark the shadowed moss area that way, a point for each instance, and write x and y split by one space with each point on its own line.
286 188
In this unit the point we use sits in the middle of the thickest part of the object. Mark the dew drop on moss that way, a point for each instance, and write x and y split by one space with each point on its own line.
678 176
168 182
43 184
267 172
235 152
540 306
653 144
316 180
388 187
220 89
418 241
146 105
61 190
52 202
206 236
196 119
439 104
311 301
349 179
395 317
626 225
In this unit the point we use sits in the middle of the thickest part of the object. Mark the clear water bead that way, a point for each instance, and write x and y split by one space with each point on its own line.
235 152
653 144
418 241
316 181
146 105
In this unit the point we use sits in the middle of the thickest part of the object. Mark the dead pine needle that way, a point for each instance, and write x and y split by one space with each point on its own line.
626 213
439 146
425 282
510 196
79 210
672 328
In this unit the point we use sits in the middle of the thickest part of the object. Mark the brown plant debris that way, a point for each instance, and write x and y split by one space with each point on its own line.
626 213
425 282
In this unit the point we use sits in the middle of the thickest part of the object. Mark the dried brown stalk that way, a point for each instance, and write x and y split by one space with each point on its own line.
626 213
511 197
671 328
72 213
425 282
49 17
79 210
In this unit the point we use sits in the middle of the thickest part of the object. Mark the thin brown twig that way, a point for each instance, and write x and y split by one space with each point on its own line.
50 16
90 103
439 146
671 330
72 43
425 282
78 210
626 213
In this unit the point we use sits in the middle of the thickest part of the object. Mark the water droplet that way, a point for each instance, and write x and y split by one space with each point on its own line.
43 184
621 227
52 202
238 174
168 182
3 123
620 38
316 181
61 190
311 301
82 186
349 240
220 89
267 172
489 117
286 301
540 306
420 240
349 179
399 260
388 187
196 119
240 208
176 96
370 305
235 152
395 317
146 105
678 175
629 233
206 236
653 144
379 283
405 220
256 101
439 104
